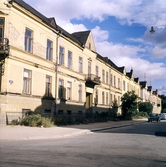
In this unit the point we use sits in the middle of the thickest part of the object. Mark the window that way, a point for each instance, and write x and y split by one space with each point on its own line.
106 98
48 85
106 77
1 27
89 45
110 99
103 98
69 59
79 113
60 112
61 89
114 81
79 92
28 40
69 90
97 71
68 112
80 65
61 55
118 83
103 76
124 86
118 100
111 79
47 111
96 99
27 82
49 50
89 67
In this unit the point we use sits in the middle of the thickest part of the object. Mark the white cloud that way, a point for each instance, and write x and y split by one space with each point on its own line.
137 40
73 27
100 35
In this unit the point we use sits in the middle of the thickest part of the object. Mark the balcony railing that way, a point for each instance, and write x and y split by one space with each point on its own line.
4 46
93 78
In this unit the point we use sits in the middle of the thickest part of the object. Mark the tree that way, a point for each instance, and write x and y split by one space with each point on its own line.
163 103
129 103
146 107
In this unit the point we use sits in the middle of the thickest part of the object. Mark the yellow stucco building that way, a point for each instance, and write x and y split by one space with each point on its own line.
44 69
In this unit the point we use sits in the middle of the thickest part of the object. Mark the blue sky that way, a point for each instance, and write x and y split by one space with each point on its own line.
121 31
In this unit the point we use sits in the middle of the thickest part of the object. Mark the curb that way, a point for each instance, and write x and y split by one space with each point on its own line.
114 127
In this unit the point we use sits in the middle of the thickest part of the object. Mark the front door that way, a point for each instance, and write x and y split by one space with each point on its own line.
89 97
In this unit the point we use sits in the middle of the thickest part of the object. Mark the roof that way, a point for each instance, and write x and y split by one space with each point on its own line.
136 80
149 88
105 59
46 20
143 84
82 36
33 11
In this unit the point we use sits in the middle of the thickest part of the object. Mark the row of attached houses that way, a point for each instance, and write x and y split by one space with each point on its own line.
44 69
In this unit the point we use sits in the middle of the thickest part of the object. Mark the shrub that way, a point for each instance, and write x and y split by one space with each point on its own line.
140 115
37 120
14 122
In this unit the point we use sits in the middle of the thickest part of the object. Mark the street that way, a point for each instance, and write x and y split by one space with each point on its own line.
130 146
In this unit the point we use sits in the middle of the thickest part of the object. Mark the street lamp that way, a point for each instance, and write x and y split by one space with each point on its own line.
152 31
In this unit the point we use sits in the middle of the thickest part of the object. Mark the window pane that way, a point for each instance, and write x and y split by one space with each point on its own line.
28 40
49 50
69 59
61 55
80 64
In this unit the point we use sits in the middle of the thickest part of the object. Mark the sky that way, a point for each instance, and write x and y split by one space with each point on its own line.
120 30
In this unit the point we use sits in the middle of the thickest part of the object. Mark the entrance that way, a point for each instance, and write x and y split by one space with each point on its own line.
89 101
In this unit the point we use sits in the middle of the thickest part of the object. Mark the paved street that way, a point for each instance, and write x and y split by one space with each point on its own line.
136 145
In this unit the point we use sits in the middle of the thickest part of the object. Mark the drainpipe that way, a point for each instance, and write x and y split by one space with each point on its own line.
56 70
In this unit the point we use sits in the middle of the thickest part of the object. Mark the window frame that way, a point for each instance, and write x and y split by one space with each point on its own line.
80 68
61 55
61 88
28 40
49 50
48 91
103 75
27 82
69 90
2 26
80 93
70 56
103 97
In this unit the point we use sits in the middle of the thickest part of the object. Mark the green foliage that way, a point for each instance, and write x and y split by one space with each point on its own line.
163 103
146 107
140 115
37 120
129 103
164 110
14 122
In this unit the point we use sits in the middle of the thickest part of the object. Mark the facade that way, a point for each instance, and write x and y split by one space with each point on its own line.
44 69
147 95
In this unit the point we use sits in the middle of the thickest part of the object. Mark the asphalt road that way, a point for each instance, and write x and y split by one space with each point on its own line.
132 146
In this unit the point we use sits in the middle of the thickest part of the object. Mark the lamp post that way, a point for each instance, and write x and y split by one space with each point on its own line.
152 31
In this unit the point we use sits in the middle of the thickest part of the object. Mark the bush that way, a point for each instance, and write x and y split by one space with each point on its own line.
37 120
146 107
140 115
14 122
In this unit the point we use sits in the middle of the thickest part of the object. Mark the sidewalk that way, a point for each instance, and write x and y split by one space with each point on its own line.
32 133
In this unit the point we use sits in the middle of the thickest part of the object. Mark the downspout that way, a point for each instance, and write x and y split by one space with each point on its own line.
56 70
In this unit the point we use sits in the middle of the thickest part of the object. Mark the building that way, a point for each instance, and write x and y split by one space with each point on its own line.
45 69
